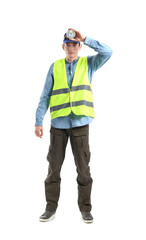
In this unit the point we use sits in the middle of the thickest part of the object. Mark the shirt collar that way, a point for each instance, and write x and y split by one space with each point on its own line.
73 61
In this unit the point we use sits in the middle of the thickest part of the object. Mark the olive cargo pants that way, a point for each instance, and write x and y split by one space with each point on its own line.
79 139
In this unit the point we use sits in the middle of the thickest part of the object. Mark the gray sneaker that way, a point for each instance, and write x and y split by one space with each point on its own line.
87 217
47 216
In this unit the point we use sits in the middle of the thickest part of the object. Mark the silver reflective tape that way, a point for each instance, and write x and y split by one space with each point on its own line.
58 107
81 87
82 102
74 104
60 91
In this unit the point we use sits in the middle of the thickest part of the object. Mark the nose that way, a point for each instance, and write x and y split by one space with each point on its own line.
70 48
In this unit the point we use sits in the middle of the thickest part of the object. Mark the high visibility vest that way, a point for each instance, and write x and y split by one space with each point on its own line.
77 99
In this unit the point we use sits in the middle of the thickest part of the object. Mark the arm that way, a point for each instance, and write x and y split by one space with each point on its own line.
104 53
44 103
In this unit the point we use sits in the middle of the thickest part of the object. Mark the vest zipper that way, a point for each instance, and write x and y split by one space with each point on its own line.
70 97
70 87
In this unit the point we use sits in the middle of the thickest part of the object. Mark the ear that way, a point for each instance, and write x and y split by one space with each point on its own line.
63 46
80 46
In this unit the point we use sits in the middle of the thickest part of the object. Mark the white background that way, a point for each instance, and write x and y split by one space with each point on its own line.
31 39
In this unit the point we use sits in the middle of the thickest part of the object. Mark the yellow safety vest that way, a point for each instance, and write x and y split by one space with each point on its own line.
79 98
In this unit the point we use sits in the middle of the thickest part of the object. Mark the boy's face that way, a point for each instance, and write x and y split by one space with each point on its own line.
71 49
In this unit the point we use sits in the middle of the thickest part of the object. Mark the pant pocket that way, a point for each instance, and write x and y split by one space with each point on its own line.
52 139
80 138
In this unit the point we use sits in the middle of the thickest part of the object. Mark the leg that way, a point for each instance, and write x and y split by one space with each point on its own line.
56 155
80 147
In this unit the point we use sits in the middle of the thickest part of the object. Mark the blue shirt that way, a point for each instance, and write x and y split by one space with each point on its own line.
104 52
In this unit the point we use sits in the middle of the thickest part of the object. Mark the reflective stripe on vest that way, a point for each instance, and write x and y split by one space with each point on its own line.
78 99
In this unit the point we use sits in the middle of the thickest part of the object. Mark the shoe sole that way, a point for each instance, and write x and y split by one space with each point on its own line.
87 221
48 219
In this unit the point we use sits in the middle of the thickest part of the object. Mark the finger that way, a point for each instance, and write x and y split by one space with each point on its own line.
41 133
37 133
